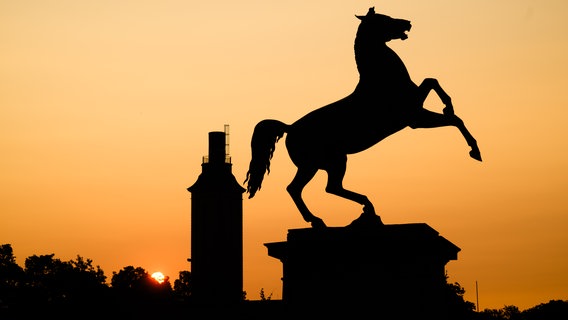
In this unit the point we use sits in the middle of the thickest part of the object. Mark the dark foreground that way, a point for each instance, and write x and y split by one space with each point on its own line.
253 310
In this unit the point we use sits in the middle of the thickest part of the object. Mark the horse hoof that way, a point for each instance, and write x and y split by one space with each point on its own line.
318 223
367 220
475 154
369 209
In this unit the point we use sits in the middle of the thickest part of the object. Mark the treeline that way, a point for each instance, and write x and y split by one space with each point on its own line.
46 285
460 309
552 310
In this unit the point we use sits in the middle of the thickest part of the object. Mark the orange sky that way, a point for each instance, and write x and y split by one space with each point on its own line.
105 108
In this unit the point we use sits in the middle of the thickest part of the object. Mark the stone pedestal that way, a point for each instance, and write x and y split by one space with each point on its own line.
391 271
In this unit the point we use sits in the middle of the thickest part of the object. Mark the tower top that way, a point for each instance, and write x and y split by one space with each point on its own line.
216 167
218 147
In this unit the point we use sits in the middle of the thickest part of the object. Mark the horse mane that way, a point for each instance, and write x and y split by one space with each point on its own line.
367 49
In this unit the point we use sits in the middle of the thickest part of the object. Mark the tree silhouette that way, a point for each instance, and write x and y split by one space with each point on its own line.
50 280
552 310
84 281
129 278
512 313
457 306
11 275
134 283
491 314
182 285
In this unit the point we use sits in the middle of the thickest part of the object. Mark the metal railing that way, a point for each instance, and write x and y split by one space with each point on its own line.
227 159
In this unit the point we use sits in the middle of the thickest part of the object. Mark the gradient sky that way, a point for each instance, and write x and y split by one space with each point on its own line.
105 109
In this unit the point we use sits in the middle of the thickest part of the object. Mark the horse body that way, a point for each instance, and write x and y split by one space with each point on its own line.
347 126
384 102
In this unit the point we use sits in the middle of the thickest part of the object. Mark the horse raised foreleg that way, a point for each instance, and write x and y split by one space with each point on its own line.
433 84
428 119
302 177
474 153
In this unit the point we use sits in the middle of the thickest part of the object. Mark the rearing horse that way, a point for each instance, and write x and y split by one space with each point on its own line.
384 102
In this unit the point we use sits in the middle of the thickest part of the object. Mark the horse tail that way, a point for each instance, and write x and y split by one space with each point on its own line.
265 135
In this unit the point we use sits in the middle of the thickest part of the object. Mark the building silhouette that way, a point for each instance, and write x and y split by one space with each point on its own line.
217 227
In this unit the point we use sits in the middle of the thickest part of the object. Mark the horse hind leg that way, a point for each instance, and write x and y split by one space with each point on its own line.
295 188
335 186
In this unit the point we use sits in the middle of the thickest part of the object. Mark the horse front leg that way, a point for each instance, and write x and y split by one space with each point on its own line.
474 152
428 119
431 119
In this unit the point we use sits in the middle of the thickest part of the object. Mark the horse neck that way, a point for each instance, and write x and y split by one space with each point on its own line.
376 61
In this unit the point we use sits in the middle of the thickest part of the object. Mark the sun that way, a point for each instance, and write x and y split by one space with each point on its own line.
159 277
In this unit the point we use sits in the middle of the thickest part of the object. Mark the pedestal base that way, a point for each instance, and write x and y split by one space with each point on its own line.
388 270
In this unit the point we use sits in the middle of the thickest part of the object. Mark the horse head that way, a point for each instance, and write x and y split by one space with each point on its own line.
385 27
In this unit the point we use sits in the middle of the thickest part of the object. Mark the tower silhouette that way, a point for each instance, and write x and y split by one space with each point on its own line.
217 227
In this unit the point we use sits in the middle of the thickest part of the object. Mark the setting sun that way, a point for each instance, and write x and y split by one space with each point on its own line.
159 277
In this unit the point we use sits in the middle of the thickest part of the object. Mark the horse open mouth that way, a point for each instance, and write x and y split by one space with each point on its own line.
403 35
405 29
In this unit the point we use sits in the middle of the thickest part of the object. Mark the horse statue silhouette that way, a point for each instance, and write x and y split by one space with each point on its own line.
384 102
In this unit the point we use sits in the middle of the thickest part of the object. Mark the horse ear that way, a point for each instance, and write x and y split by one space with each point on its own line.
371 12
